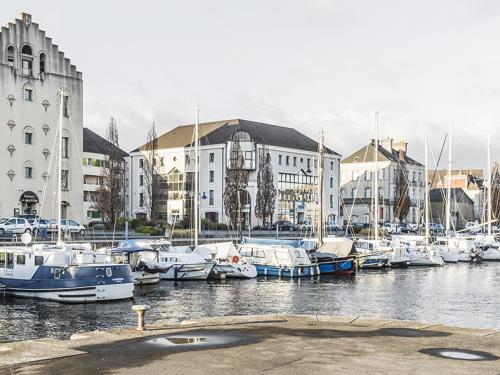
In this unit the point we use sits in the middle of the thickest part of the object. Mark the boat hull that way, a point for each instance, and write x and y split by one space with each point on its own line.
298 271
199 271
145 278
76 284
345 267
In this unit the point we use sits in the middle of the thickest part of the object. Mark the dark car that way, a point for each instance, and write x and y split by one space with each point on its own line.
101 225
404 228
283 225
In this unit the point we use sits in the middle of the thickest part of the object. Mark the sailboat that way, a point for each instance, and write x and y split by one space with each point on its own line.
425 254
62 272
377 253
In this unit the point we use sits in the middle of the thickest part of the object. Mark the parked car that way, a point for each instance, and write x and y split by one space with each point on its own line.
283 225
40 224
306 225
68 225
473 227
101 225
404 228
16 225
391 228
331 226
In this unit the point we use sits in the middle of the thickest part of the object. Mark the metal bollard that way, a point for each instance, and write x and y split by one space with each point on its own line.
141 312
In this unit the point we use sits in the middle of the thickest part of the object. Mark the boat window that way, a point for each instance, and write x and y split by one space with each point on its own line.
38 260
57 273
297 254
2 260
246 252
109 273
21 259
258 253
10 260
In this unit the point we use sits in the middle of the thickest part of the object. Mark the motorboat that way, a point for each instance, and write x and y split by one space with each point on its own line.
446 251
227 259
370 256
278 260
489 248
335 256
143 263
175 264
63 273
420 253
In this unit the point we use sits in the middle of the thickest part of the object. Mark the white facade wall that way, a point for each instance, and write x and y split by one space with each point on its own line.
353 177
176 158
25 115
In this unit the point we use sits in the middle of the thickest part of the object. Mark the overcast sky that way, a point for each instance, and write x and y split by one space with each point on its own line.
305 64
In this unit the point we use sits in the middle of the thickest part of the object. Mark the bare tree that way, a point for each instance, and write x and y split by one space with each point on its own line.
110 197
402 202
495 192
266 191
150 173
236 180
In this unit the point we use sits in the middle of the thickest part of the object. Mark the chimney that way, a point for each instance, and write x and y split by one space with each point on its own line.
400 145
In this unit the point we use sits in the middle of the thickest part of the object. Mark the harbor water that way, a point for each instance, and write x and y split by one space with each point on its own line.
458 294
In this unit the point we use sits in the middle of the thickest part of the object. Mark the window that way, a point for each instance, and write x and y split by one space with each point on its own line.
287 160
28 138
28 93
381 174
162 161
43 59
65 147
10 260
331 200
315 163
141 163
331 182
21 259
38 260
342 193
141 180
211 157
28 172
294 161
64 180
368 193
354 193
10 56
188 159
65 105
141 199
280 159
331 165
308 165
211 197
381 193
27 60
368 176
2 259
211 176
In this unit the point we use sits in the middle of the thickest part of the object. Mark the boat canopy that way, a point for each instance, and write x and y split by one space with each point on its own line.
221 250
306 244
340 246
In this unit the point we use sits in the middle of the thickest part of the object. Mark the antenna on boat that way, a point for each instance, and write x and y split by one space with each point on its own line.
426 202
59 166
196 187
320 188
376 180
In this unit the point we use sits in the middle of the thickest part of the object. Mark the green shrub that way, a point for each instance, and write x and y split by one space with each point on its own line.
148 229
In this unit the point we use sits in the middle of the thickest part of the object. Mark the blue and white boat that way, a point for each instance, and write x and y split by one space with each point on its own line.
278 260
63 273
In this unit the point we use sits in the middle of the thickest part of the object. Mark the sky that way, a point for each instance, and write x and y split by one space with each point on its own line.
310 65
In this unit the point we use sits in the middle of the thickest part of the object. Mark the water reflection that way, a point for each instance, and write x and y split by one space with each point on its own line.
460 294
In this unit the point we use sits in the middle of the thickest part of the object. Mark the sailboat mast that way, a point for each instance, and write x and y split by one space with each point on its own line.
375 176
489 187
59 169
320 189
196 187
426 202
448 198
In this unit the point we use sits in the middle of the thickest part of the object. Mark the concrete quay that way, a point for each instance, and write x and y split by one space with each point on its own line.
311 344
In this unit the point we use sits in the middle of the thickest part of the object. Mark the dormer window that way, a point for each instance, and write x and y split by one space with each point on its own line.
27 60
10 56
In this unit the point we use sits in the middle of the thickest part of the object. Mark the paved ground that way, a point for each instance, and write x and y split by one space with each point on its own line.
261 345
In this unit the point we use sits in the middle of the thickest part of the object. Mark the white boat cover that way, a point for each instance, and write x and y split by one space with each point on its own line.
340 246
221 250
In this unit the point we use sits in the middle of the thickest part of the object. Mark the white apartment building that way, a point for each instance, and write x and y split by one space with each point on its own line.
294 164
357 182
95 158
33 71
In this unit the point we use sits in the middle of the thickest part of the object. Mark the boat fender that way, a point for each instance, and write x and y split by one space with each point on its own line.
279 272
317 270
265 271
291 272
235 259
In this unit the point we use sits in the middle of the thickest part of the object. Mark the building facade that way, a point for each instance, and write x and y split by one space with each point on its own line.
357 182
461 210
96 152
33 73
293 158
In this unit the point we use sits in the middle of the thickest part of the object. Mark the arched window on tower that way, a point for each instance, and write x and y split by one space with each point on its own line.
43 64
27 60
11 52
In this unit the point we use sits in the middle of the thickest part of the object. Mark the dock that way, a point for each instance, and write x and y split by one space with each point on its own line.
310 344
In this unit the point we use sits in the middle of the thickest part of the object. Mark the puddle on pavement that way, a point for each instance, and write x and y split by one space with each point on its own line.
170 341
460 354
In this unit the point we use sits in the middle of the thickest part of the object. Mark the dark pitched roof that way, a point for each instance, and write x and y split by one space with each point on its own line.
457 195
93 142
367 155
218 132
